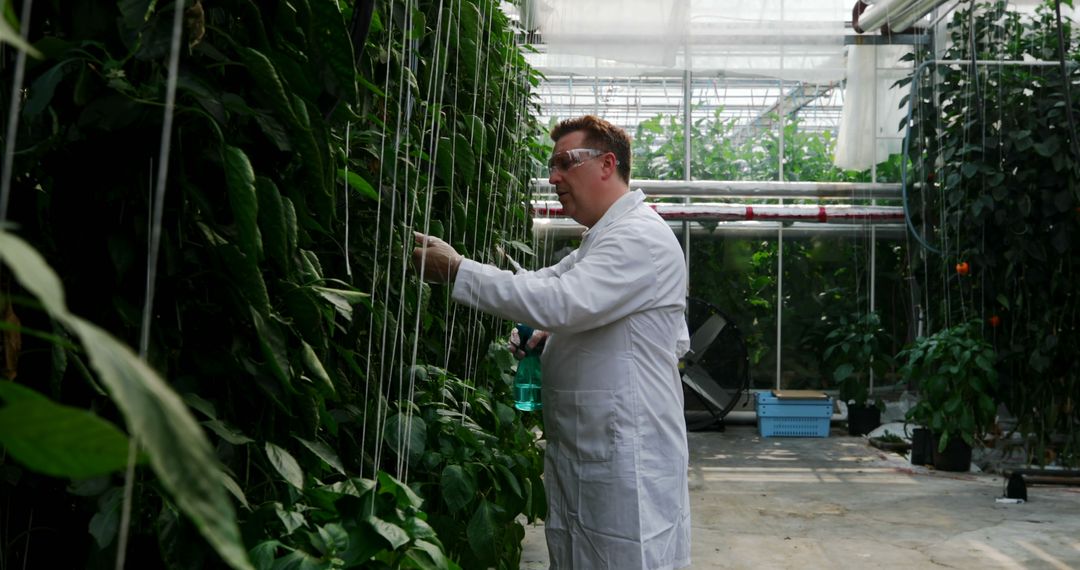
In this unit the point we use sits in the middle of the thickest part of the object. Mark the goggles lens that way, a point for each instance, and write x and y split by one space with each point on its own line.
569 159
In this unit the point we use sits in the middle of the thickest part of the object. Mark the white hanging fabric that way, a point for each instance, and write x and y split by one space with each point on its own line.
872 111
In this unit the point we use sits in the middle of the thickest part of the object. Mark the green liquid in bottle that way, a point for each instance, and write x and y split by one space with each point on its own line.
527 380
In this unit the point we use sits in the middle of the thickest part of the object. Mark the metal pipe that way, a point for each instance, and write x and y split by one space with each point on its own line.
750 212
688 86
917 10
877 14
562 228
753 189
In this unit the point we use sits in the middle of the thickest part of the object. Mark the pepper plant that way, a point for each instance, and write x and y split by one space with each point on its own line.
310 138
994 194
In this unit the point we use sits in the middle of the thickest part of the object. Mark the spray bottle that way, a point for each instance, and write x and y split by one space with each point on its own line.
527 379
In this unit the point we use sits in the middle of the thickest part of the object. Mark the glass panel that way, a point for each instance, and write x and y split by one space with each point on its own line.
735 270
827 280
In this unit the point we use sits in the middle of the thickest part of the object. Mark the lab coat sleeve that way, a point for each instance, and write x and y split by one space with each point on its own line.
558 269
617 277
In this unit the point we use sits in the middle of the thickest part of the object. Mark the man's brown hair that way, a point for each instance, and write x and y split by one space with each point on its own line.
602 135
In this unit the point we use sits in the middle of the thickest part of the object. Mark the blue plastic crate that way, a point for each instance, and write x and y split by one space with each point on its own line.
793 417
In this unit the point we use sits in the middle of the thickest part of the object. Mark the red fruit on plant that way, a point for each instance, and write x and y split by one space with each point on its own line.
995 321
963 268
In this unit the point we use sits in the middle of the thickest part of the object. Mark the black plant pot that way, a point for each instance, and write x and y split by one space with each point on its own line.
862 419
922 447
955 457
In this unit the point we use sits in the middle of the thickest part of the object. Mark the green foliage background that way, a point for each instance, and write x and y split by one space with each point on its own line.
827 277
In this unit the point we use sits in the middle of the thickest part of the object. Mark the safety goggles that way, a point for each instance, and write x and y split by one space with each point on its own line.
568 160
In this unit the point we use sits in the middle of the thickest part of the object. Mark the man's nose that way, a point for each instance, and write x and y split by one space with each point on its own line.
554 176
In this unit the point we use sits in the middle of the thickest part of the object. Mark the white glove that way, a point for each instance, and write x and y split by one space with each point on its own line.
515 347
435 259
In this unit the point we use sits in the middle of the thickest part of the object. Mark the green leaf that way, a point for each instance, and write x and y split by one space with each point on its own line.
458 487
329 38
262 555
477 132
464 159
41 91
198 403
314 366
105 522
393 533
8 35
521 246
300 560
272 343
286 465
444 161
510 478
334 538
269 84
291 520
134 12
246 277
351 297
481 531
272 225
240 182
227 432
292 231
325 453
358 183
842 372
401 491
343 300
177 448
432 557
232 487
406 434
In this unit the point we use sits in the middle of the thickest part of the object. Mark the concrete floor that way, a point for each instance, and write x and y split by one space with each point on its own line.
836 502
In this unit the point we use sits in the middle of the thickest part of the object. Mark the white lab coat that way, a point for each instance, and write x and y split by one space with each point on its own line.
616 458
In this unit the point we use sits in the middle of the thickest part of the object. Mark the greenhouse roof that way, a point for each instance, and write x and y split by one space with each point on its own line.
745 62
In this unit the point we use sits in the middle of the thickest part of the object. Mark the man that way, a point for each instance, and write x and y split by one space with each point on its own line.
615 468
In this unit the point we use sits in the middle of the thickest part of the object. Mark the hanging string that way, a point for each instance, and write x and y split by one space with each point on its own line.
345 190
432 112
399 141
378 236
158 206
451 227
13 112
502 160
472 333
468 204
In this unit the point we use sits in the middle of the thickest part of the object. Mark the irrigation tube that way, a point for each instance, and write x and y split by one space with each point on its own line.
907 125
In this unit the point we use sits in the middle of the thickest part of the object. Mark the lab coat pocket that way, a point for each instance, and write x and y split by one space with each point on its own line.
593 430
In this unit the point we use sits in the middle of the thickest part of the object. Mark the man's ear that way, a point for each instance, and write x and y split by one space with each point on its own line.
610 166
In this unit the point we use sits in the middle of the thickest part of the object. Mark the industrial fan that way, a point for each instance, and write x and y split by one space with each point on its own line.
716 369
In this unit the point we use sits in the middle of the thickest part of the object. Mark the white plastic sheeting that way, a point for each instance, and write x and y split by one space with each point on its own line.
871 106
788 39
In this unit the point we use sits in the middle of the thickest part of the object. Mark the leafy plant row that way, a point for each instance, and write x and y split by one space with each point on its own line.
310 139
996 191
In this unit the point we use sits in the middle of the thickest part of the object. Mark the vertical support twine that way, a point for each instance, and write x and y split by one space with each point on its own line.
158 207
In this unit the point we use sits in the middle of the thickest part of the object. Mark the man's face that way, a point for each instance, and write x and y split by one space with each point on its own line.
573 173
